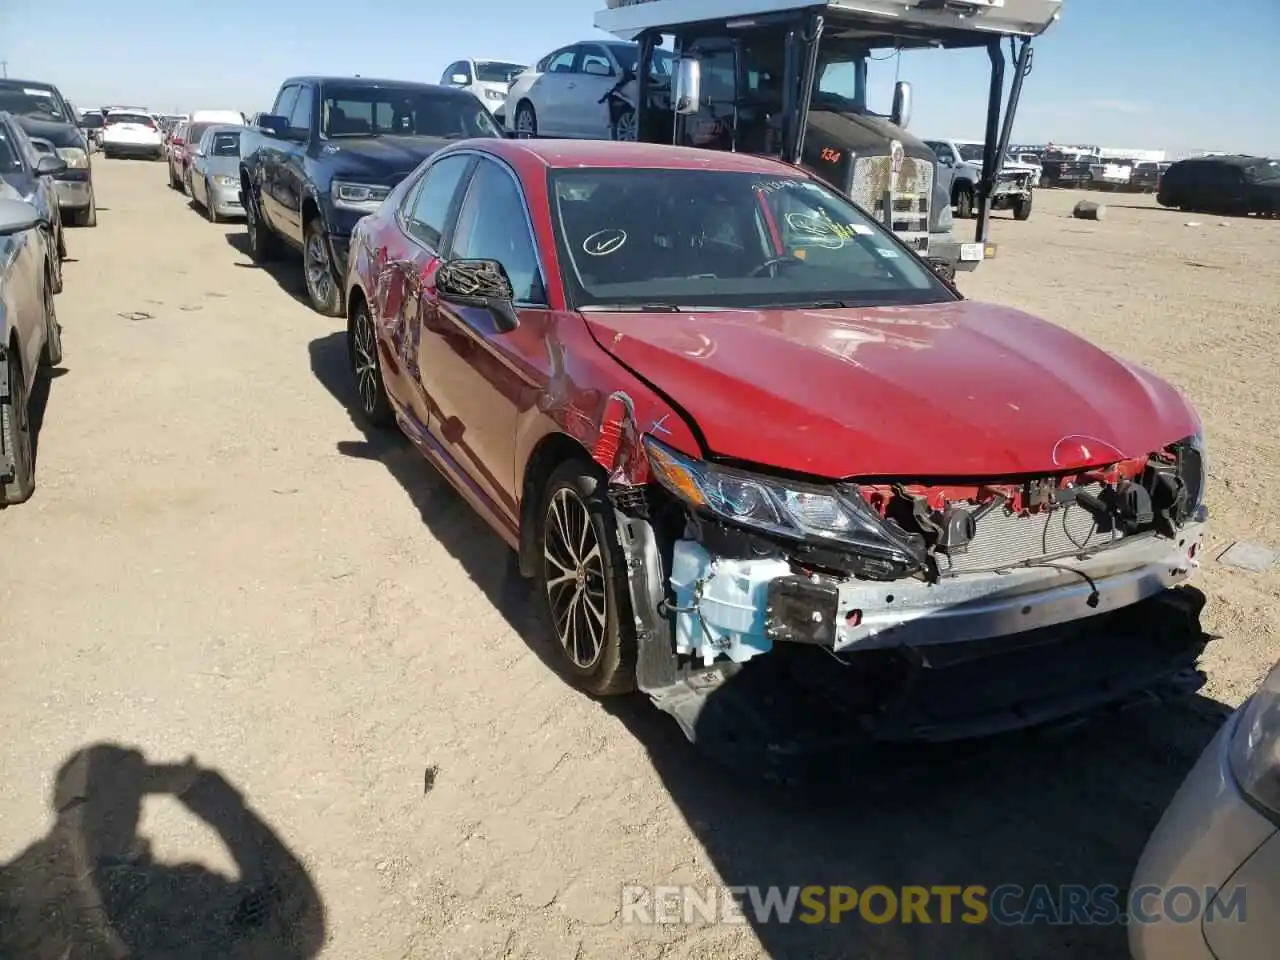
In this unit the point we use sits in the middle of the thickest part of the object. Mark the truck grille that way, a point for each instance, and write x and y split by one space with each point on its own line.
1004 539
873 184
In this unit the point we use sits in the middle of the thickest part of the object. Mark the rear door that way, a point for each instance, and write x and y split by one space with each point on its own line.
552 93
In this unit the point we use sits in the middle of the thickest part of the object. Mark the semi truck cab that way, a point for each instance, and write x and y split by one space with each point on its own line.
779 78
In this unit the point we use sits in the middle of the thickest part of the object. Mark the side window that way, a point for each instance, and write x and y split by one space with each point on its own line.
597 61
492 226
561 61
284 103
431 203
300 116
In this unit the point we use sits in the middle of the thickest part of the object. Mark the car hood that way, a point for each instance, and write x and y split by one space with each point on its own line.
382 158
960 389
58 133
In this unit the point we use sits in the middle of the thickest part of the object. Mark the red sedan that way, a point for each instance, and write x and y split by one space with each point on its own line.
721 413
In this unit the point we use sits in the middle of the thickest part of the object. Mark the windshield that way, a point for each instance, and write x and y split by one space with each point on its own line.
494 71
405 112
627 55
225 145
971 152
840 82
91 121
1267 170
707 238
195 131
32 100
139 118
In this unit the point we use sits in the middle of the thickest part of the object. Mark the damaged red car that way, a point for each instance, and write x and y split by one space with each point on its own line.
735 429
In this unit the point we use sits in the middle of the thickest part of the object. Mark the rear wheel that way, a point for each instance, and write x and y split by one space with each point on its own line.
264 246
322 284
526 120
15 438
366 367
174 182
583 578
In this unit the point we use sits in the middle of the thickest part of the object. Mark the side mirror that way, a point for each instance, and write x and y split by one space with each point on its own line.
274 125
460 79
478 283
17 216
688 87
50 165
597 69
900 116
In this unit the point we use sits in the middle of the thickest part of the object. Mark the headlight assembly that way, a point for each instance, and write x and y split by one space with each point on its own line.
73 157
1255 747
796 511
361 197
222 180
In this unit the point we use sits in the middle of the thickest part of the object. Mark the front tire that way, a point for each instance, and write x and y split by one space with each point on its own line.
624 127
366 367
88 217
582 580
15 438
211 213
51 354
322 285
964 202
1022 207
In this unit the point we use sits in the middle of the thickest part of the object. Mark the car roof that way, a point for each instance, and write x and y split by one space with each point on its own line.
1233 160
609 154
11 82
375 82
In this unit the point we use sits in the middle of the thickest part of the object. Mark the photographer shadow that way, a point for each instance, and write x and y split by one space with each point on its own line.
90 888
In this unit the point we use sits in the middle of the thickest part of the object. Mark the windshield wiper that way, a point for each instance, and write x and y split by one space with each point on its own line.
633 307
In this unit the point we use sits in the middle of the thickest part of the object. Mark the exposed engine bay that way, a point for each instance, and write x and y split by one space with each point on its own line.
917 575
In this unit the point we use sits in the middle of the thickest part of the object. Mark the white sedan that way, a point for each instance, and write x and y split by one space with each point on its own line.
1208 884
565 94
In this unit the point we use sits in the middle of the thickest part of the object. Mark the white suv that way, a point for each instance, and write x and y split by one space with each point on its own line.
489 80
132 133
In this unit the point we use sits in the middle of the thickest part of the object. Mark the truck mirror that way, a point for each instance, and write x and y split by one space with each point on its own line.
901 114
273 125
688 87
459 78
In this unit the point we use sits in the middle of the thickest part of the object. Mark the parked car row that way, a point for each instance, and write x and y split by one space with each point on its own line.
32 248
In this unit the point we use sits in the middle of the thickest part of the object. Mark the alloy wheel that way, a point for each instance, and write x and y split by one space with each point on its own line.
574 572
625 128
365 361
525 124
319 277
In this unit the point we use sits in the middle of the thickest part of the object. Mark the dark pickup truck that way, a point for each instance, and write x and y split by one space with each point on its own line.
329 152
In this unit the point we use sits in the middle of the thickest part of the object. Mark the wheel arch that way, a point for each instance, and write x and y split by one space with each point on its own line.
547 455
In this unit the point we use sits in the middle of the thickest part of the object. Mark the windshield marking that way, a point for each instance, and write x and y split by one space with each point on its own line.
604 242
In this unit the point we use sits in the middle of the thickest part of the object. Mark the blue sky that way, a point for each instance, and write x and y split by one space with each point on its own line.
1159 74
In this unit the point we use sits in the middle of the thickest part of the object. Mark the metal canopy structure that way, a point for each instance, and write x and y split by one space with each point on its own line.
878 23
872 25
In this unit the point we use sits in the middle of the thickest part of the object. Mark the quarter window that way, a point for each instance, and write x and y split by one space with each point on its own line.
492 225
429 212
300 117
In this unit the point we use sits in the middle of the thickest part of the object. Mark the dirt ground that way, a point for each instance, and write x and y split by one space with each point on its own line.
220 562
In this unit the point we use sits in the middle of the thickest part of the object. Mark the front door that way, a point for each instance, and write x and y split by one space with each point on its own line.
469 363
409 274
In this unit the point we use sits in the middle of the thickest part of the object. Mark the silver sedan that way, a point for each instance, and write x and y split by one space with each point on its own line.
214 172
1208 884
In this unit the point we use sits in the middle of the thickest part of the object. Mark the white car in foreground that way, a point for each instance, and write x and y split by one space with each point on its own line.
1208 883
132 134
